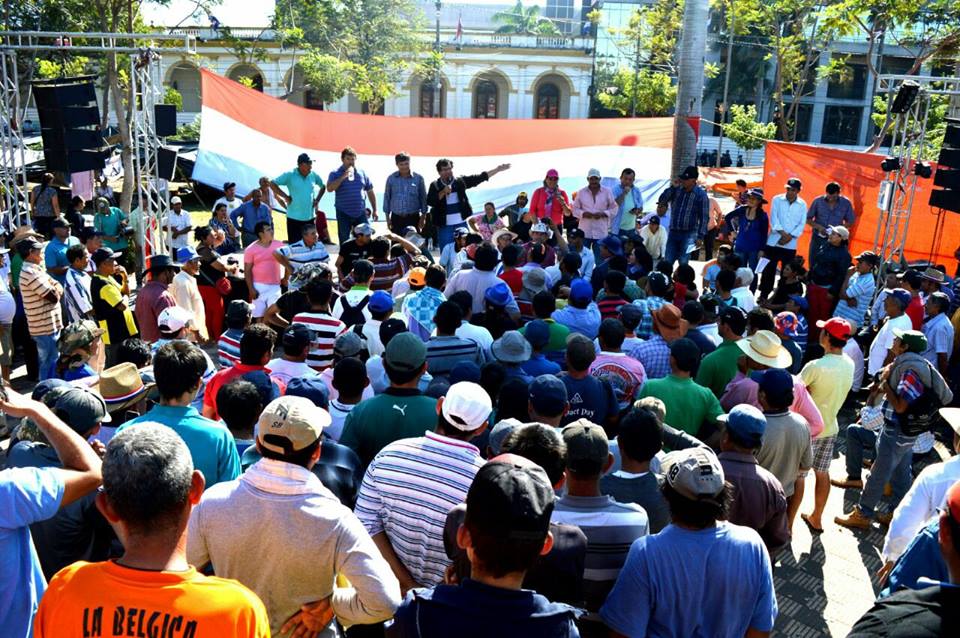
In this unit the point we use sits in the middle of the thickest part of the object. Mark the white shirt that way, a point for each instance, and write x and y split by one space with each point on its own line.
926 495
231 204
178 222
884 341
8 307
588 262
852 350
184 290
787 217
286 370
353 297
477 334
744 298
338 416
654 242
711 330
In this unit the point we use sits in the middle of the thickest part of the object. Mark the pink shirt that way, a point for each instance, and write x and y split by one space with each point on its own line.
624 373
603 202
742 389
266 269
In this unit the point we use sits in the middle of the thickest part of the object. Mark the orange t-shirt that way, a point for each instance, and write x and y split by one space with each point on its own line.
107 599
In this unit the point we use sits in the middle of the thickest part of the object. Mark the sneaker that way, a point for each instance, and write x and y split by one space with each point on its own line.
847 484
854 520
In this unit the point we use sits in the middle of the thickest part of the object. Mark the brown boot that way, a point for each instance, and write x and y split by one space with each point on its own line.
847 484
883 518
854 520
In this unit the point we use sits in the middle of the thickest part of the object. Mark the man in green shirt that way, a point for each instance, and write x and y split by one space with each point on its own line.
111 221
720 366
689 406
402 411
544 303
303 203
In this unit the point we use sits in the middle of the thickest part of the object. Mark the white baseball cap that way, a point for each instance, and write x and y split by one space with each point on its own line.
174 318
466 406
175 200
593 172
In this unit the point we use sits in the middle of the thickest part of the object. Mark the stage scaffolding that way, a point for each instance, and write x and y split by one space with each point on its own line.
144 50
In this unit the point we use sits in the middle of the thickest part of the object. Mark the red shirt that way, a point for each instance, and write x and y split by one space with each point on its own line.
220 379
151 301
514 279
915 312
538 205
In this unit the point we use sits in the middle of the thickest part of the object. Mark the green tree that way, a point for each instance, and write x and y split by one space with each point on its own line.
745 131
936 123
373 40
173 97
524 21
649 93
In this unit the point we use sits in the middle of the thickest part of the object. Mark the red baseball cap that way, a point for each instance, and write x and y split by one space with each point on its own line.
836 327
953 501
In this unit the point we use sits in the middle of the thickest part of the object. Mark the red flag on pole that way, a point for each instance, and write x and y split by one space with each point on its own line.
459 36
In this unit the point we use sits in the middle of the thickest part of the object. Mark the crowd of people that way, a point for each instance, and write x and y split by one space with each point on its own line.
549 424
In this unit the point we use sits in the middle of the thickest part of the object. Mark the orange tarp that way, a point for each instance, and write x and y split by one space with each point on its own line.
931 233
723 181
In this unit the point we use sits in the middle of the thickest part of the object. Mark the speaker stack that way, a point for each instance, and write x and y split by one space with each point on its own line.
948 171
70 125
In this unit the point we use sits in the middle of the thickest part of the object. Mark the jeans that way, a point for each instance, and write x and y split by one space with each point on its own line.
445 233
859 440
678 242
750 261
708 240
778 257
893 465
344 226
47 355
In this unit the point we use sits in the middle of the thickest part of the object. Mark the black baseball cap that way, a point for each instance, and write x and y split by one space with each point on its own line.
227 185
239 310
297 335
389 328
303 158
511 498
100 255
690 172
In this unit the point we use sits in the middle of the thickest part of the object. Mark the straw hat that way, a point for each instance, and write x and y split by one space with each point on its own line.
765 348
22 232
121 386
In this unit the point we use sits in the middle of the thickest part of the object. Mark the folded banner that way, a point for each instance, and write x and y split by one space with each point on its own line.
246 134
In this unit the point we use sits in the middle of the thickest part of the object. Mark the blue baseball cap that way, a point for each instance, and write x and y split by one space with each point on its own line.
613 244
380 301
580 289
800 301
266 387
746 424
499 295
465 371
537 333
902 296
548 395
310 388
773 381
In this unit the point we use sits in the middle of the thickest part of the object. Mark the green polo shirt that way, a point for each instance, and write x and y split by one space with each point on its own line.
396 414
558 336
719 367
301 193
688 404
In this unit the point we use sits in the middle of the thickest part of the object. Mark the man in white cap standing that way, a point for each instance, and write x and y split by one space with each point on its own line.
594 207
281 493
412 484
724 581
178 226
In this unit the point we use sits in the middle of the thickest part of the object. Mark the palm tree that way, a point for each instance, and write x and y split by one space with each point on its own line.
523 21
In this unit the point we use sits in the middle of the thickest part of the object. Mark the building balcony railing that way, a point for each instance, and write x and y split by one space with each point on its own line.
209 33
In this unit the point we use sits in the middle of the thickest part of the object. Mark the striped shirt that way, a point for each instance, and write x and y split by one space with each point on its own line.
77 295
387 271
407 492
43 316
443 353
610 528
228 347
861 287
299 254
325 329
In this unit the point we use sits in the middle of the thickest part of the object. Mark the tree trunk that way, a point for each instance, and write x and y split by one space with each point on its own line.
690 84
123 125
105 111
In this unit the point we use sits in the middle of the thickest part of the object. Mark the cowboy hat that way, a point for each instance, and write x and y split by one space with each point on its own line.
121 386
668 322
22 232
765 348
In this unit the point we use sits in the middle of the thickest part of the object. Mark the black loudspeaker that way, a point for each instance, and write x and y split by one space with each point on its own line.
948 170
70 125
165 116
166 162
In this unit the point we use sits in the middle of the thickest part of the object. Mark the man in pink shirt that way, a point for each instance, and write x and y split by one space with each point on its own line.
262 270
763 350
624 373
594 207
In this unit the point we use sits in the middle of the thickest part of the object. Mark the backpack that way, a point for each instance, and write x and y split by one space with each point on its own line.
353 315
922 414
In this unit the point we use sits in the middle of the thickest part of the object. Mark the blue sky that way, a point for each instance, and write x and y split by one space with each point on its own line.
243 13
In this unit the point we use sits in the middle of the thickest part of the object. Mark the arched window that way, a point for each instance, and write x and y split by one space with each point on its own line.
248 71
487 98
427 105
548 101
185 78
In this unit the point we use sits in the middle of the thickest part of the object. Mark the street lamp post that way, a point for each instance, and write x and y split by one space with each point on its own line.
435 106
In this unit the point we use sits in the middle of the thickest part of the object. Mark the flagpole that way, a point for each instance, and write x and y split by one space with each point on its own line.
436 71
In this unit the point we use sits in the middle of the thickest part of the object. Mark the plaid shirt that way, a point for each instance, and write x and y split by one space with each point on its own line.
690 211
648 306
419 309
654 354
